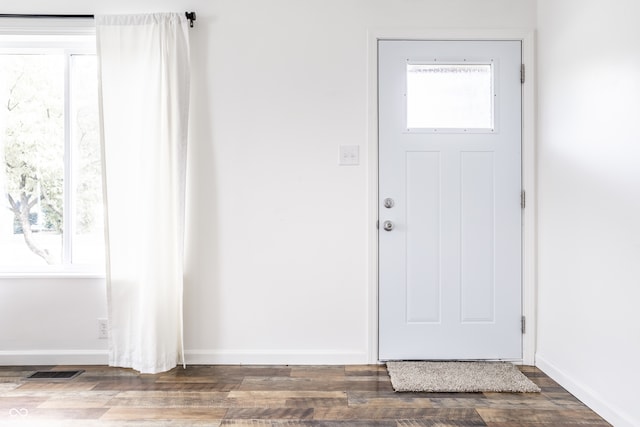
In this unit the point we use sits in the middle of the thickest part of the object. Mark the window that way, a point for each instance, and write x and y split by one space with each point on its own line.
52 215
450 96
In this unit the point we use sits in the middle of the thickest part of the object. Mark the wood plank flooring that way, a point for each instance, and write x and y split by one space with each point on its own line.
304 396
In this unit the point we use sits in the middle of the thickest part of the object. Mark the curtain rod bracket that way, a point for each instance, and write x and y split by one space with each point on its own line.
191 16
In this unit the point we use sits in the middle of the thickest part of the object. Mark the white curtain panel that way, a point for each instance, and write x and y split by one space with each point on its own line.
144 95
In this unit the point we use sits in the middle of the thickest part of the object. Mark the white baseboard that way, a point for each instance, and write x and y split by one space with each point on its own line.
193 357
587 395
275 357
53 357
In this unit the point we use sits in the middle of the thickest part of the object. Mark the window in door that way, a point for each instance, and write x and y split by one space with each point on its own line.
450 96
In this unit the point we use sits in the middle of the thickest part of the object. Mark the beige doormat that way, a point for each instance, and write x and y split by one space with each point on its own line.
467 377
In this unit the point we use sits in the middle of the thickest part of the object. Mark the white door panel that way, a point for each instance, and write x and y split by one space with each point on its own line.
450 269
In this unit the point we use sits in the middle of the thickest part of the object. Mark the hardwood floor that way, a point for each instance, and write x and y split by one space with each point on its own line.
322 396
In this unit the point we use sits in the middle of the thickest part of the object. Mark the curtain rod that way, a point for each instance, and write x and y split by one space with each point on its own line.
191 16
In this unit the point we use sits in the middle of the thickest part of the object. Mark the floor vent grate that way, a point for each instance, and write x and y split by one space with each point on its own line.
54 375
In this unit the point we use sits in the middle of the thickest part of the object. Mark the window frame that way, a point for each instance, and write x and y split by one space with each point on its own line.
56 36
495 115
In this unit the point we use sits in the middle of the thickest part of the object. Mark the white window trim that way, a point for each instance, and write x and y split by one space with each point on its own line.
47 26
77 37
52 273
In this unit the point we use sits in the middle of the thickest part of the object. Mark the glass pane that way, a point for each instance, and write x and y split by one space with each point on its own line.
454 96
88 238
31 151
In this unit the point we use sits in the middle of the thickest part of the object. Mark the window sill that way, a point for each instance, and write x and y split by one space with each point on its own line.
52 274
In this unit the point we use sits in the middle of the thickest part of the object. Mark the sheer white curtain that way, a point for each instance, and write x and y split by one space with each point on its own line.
144 94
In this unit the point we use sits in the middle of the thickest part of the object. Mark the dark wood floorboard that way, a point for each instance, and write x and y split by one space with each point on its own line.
239 396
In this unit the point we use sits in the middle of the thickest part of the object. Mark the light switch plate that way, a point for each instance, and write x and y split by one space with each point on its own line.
349 155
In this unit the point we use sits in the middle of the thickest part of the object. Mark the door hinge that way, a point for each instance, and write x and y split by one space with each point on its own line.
522 73
523 199
524 324
378 224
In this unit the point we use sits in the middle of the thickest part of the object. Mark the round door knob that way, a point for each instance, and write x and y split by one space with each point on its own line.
387 225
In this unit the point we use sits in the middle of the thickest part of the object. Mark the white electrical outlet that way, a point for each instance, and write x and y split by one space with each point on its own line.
103 329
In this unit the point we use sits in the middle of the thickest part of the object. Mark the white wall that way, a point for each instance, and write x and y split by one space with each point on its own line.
277 253
589 201
51 321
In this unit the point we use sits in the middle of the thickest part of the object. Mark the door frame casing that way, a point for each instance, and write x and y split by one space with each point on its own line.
529 246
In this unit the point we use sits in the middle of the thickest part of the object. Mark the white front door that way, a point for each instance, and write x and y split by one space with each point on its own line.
449 200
